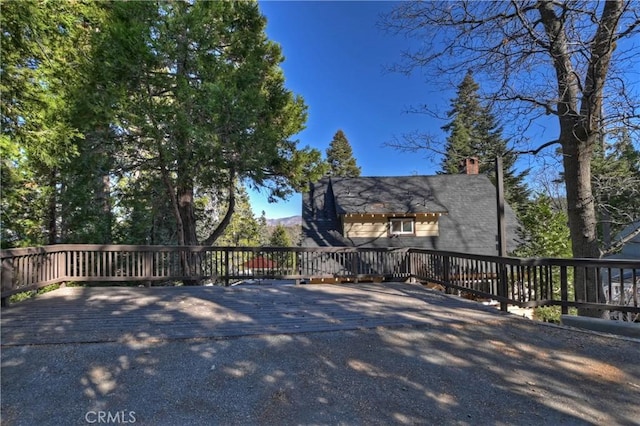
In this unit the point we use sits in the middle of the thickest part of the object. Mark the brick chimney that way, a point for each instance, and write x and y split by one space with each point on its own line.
470 166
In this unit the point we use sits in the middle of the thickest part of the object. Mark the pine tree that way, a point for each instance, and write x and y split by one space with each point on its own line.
463 127
544 232
475 132
340 157
45 48
244 228
205 107
280 237
616 183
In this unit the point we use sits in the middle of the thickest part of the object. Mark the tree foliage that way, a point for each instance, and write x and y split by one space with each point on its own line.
466 118
340 157
44 48
208 106
473 131
616 185
280 237
162 106
544 231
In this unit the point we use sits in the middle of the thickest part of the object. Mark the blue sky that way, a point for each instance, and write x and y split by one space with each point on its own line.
335 58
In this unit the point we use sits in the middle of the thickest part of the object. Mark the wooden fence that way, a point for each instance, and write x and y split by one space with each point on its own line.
522 282
535 282
32 268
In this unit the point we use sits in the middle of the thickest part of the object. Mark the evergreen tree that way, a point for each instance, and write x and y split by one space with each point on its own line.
616 183
340 157
205 104
280 237
244 229
463 128
45 46
474 132
264 229
544 231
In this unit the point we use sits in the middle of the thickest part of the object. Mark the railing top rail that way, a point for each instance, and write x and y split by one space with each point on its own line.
599 263
31 268
594 263
167 248
547 261
8 253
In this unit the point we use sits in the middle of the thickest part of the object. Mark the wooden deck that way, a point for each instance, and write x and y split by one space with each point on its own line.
113 314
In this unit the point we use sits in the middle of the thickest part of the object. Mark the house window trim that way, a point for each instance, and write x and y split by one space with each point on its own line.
402 233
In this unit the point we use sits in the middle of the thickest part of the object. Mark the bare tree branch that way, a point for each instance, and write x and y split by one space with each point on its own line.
566 58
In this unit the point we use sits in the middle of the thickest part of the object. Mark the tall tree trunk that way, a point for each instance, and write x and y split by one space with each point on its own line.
579 112
230 210
182 207
582 217
191 262
103 198
580 199
187 212
52 208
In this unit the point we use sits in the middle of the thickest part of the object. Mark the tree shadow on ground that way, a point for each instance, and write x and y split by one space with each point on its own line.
364 354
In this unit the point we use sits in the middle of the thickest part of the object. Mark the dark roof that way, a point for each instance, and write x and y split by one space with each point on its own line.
403 194
468 201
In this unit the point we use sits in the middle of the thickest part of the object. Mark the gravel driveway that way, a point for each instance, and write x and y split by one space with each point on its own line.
476 367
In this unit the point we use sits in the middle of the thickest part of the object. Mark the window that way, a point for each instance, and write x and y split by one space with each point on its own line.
401 226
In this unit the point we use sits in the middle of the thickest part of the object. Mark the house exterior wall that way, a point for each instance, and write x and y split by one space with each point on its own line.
364 226
468 226
377 226
427 227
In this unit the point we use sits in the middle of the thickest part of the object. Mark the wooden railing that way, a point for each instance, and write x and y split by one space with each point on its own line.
32 268
535 282
523 282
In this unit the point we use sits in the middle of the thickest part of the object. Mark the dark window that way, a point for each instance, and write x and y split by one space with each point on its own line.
404 226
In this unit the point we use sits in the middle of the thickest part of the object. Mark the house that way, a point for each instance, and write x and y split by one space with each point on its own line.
613 290
442 212
259 265
631 247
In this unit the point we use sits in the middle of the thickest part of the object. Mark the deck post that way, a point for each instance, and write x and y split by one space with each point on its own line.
503 286
8 276
564 290
226 268
446 269
148 267
502 233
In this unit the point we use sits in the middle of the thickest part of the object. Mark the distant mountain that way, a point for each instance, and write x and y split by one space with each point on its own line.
285 221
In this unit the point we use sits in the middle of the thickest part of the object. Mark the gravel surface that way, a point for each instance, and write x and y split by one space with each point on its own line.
497 369
520 374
